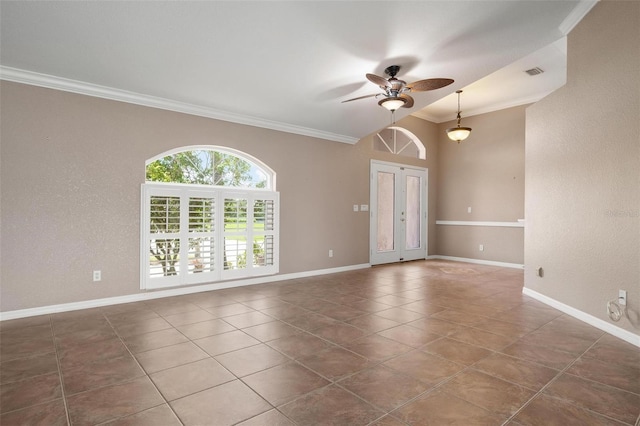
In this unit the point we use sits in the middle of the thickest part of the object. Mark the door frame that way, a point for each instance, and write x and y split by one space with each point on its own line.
373 208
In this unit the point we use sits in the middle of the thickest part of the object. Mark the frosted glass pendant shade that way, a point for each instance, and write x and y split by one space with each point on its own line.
458 134
392 104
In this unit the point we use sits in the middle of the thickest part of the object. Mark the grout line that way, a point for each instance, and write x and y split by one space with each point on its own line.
444 381
283 289
146 375
235 377
550 382
64 395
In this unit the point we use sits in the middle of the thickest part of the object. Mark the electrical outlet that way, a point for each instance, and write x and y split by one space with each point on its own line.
481 248
97 275
622 297
330 253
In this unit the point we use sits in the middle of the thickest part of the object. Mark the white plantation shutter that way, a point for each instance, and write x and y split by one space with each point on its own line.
161 244
235 233
197 235
264 213
201 266
250 234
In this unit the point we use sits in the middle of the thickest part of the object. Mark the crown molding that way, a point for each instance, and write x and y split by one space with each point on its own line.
426 116
67 85
504 105
485 109
576 15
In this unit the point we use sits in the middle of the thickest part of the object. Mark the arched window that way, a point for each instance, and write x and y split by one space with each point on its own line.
209 214
210 165
400 141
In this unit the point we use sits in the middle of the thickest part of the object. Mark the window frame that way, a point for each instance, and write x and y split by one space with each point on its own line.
392 147
185 192
268 171
250 234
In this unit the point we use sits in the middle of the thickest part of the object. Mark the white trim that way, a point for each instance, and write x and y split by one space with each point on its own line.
576 15
506 104
95 90
379 258
150 295
390 163
477 261
422 150
424 115
518 224
625 335
219 234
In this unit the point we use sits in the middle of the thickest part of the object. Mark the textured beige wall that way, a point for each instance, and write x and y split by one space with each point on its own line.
71 169
583 169
501 244
484 172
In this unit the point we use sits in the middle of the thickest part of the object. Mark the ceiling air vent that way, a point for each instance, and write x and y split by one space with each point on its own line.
534 71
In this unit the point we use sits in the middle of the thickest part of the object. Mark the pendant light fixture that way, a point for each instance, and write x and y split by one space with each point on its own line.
458 133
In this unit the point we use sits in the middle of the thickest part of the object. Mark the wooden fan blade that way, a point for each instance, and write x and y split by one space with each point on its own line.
361 97
382 82
429 84
409 100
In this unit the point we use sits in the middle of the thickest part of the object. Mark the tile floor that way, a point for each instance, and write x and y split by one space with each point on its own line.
422 343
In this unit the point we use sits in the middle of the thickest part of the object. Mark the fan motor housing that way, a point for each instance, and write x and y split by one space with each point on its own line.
392 70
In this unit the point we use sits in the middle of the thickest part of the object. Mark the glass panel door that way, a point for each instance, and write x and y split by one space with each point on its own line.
398 213
412 207
386 211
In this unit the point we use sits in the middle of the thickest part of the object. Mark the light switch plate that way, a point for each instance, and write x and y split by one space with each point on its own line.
622 297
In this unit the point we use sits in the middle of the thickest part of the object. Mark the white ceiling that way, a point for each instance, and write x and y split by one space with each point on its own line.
507 87
288 65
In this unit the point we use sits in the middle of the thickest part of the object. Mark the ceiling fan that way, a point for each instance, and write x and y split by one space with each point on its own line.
395 90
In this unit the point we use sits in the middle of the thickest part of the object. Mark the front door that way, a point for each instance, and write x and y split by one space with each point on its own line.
398 213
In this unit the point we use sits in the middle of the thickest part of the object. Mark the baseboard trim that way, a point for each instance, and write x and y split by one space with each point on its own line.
477 261
158 294
625 335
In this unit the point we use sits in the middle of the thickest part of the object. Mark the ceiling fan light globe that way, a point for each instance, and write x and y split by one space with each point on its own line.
458 134
392 103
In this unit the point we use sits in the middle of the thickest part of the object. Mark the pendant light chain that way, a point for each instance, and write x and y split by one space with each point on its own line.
458 133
